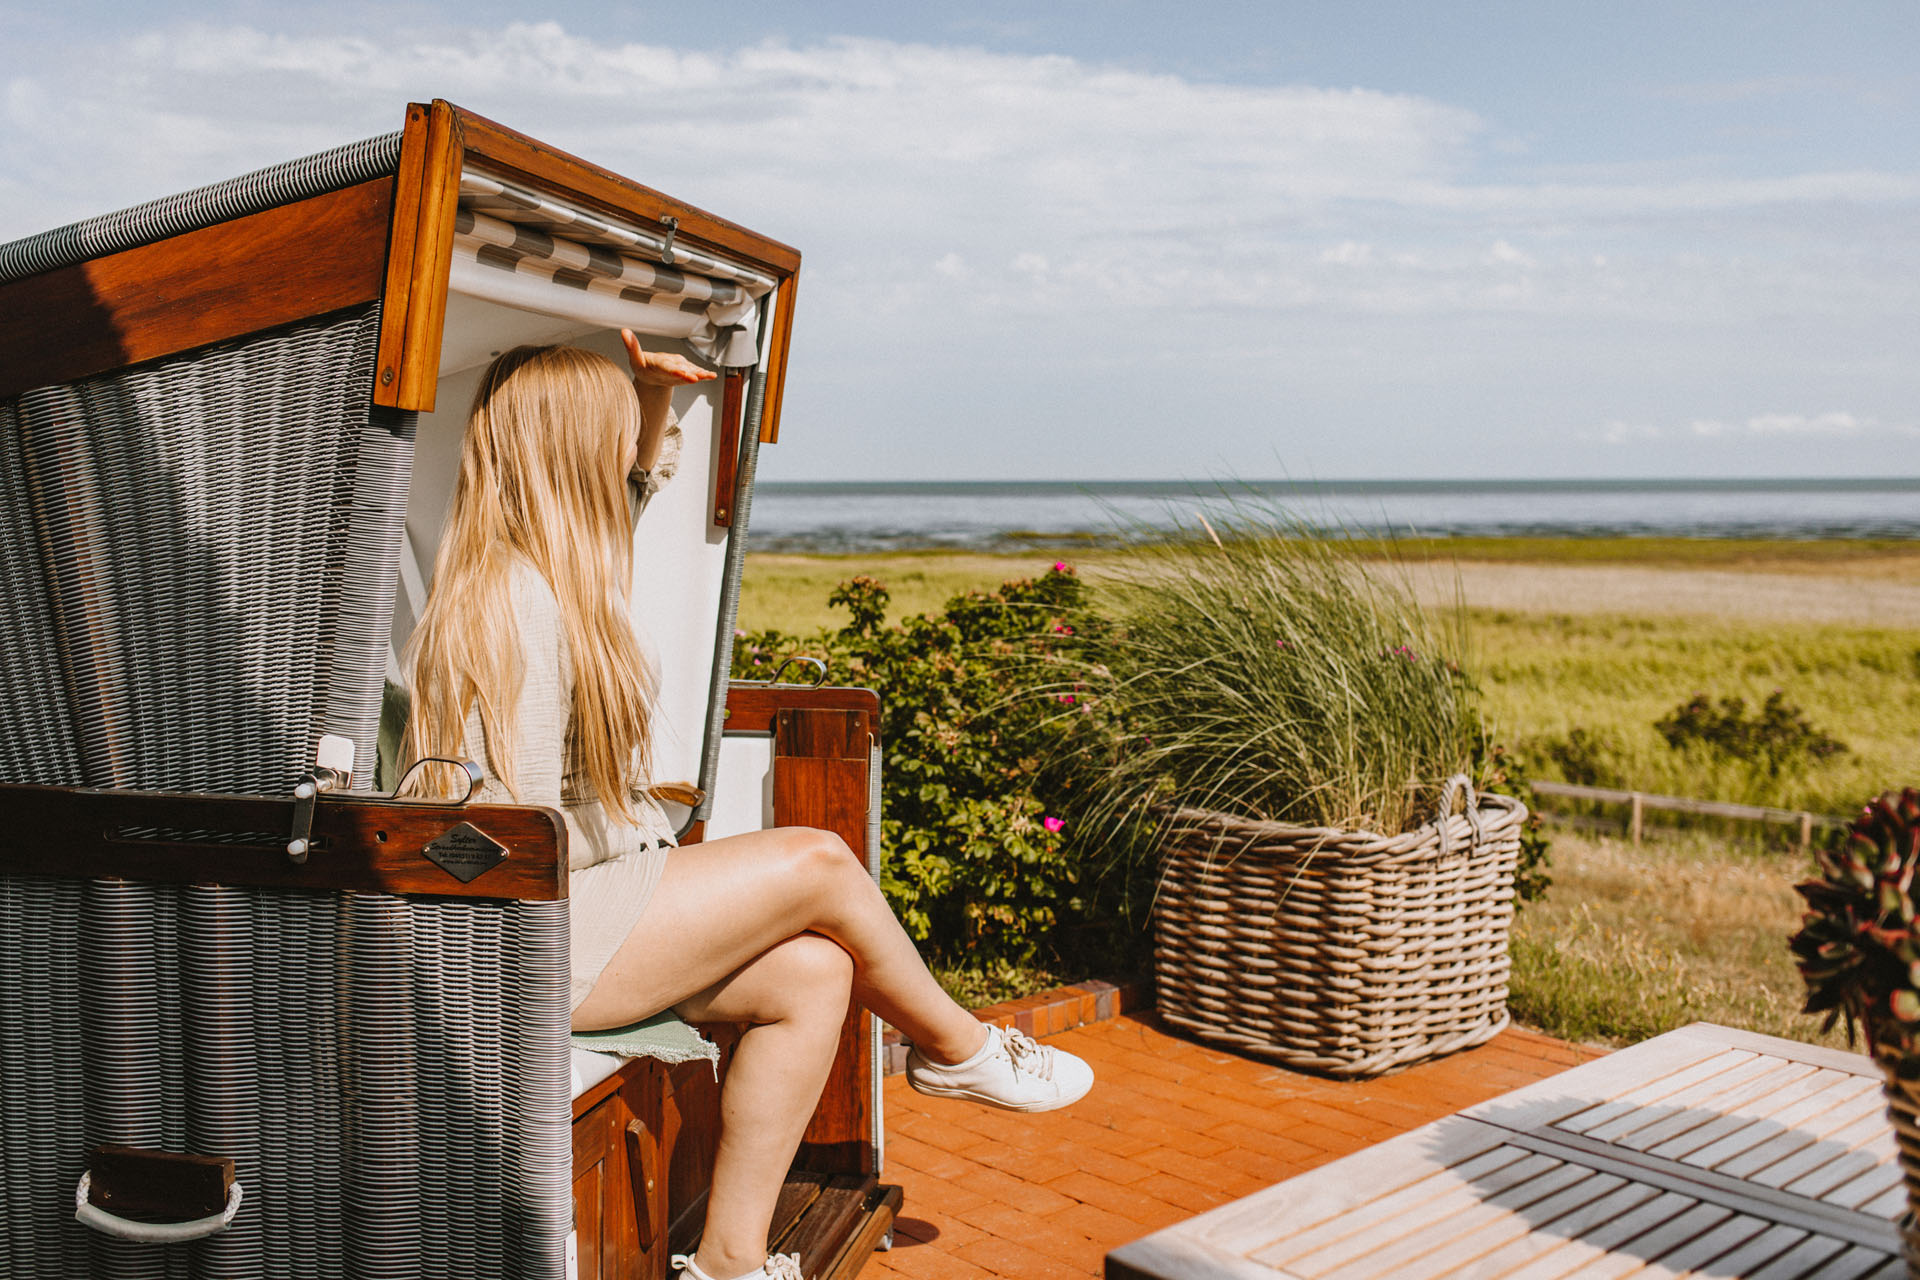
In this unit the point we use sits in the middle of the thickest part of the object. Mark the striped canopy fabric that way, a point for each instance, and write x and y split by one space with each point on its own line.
517 247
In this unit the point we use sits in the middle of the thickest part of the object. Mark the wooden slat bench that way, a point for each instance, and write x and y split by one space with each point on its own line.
1705 1151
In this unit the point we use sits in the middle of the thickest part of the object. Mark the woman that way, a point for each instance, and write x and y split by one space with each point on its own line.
525 659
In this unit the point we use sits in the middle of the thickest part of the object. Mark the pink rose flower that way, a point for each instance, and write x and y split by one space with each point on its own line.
1055 825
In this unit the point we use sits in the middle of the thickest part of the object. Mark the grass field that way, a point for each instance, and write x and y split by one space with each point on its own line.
1607 635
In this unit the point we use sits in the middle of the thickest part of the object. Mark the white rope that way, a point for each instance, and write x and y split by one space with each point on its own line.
89 1214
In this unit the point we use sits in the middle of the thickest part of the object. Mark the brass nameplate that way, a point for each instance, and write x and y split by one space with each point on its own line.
466 853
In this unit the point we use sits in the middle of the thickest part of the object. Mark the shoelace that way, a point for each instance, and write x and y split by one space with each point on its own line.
1034 1059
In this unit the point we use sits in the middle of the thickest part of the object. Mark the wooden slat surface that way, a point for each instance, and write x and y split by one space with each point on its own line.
1702 1152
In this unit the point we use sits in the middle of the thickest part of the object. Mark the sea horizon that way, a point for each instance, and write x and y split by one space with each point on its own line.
871 515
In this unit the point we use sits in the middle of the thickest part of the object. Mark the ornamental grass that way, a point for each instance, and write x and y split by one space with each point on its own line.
1263 668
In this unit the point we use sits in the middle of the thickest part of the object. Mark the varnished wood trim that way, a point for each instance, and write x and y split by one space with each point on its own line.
431 156
360 844
882 1207
503 149
822 733
782 337
752 706
726 475
284 264
820 768
402 239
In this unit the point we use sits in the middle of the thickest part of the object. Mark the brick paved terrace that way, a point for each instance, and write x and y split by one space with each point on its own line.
1171 1128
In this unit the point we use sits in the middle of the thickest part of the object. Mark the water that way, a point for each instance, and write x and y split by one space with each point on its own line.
997 516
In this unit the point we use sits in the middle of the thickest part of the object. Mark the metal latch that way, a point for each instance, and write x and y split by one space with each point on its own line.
332 771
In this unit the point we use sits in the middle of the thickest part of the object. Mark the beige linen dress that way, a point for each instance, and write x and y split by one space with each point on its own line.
613 866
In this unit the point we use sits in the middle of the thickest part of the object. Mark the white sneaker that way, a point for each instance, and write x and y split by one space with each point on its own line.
778 1266
1009 1071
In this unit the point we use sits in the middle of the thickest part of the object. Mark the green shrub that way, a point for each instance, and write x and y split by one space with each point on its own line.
978 860
1779 737
1588 759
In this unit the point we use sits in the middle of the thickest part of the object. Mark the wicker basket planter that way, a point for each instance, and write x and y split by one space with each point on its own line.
1342 952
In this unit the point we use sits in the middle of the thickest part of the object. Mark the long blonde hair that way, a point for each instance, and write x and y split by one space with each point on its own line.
539 478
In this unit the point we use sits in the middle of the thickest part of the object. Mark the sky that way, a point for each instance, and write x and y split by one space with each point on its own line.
1142 239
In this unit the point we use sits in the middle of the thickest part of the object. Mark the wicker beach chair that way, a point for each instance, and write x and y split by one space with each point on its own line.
254 1018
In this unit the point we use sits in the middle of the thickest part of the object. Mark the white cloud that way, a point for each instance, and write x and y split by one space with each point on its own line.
1502 254
1619 432
1799 424
1348 253
1834 424
1291 250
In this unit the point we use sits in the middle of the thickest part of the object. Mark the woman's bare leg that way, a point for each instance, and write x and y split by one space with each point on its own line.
720 904
794 1000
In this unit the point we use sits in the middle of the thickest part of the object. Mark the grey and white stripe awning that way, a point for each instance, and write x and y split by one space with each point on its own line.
522 249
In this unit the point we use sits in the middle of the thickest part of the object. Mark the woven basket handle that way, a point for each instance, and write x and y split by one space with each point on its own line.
1458 783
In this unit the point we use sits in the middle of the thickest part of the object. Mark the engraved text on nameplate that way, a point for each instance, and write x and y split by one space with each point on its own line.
466 852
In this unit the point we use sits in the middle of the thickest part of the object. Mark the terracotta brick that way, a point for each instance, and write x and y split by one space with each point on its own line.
947 1129
925 1158
1172 1128
1115 1169
1017 1261
1097 1224
1030 1166
1178 1191
930 1226
1150 1211
924 1263
1011 1223
1006 1190
925 1189
1232 1183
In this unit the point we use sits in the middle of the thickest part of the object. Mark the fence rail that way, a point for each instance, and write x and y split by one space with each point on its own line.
1639 802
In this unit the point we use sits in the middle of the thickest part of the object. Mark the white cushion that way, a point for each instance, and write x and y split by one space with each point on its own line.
590 1068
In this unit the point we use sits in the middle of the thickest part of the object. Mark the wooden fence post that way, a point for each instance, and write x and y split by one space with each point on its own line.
1633 822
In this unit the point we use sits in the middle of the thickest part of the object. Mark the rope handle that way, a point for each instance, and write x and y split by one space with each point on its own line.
91 1215
1458 783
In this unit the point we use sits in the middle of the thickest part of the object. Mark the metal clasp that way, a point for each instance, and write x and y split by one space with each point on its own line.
672 225
332 771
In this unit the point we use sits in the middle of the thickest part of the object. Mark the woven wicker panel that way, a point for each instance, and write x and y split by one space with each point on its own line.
390 1076
1340 952
1903 1108
200 556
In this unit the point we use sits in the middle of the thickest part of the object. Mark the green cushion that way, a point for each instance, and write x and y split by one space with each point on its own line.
663 1036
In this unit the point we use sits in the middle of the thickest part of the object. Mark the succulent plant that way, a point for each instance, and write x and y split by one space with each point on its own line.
1858 947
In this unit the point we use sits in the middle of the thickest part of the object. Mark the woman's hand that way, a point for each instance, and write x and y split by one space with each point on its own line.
655 375
660 368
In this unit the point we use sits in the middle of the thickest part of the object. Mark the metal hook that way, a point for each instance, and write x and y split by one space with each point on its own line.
672 225
470 768
819 668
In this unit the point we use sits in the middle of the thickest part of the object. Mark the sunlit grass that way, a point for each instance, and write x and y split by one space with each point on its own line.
1544 675
1631 942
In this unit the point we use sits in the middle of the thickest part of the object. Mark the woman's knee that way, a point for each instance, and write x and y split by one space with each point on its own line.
819 858
815 973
